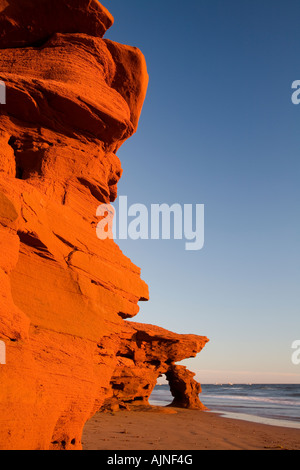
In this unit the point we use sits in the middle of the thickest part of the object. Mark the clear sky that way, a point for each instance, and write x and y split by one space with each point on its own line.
218 128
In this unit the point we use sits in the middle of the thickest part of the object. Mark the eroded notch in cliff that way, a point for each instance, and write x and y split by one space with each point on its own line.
19 170
32 240
28 156
128 354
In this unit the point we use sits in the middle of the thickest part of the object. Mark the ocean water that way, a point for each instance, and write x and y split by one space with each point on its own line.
277 405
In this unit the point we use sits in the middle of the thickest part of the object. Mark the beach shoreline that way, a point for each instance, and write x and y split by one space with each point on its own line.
164 428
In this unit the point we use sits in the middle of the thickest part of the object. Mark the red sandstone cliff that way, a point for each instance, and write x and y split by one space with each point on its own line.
72 99
145 353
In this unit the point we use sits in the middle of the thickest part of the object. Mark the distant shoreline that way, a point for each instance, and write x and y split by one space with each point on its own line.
281 423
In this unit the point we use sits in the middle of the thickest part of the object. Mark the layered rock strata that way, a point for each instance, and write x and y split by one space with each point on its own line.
72 99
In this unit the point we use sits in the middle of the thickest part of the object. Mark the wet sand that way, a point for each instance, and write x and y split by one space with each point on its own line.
170 429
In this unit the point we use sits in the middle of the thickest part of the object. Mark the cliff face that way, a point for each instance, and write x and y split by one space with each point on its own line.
72 99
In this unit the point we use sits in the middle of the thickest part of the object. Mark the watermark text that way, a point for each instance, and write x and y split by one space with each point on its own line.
2 92
296 354
2 353
159 222
156 460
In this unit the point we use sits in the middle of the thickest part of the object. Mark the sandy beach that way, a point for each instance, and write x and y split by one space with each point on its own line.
178 429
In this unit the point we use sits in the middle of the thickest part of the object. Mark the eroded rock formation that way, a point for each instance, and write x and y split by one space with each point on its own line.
72 99
145 354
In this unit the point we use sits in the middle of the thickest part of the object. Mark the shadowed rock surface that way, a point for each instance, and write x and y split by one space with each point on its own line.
73 98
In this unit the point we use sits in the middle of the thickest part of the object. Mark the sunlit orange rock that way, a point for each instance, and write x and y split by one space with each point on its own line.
145 354
72 99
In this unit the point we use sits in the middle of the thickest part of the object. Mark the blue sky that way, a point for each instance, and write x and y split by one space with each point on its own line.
218 128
